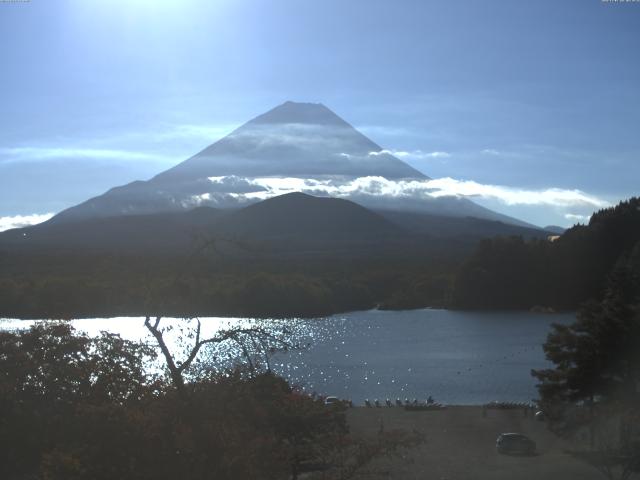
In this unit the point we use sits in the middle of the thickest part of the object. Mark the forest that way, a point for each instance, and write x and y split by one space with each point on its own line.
510 273
226 278
76 285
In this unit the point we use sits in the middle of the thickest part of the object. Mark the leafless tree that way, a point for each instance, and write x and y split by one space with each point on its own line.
254 341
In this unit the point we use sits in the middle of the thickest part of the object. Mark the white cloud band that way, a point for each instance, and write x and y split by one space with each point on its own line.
267 187
19 221
577 218
49 153
414 154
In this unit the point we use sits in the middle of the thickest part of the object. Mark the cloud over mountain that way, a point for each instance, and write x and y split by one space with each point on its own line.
261 188
414 154
19 221
307 148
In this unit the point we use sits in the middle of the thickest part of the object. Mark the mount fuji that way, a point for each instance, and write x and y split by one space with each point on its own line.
302 147
294 213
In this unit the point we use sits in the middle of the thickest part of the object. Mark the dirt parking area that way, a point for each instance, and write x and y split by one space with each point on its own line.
460 444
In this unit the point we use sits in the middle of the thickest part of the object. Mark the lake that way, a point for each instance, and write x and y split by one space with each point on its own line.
456 357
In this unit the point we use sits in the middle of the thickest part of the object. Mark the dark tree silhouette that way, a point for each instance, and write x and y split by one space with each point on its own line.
255 342
598 355
563 274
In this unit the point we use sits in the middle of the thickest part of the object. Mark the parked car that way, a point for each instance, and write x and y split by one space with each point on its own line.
515 443
331 400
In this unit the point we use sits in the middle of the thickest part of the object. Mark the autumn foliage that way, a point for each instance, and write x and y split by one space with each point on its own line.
74 407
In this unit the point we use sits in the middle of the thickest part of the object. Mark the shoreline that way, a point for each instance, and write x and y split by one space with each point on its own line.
172 316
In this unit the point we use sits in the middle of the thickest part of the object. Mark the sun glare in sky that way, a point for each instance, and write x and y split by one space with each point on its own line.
161 21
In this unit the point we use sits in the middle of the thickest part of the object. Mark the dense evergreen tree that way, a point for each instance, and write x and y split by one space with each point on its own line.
512 273
597 357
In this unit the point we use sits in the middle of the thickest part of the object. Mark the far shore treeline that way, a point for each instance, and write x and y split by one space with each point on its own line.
245 279
509 273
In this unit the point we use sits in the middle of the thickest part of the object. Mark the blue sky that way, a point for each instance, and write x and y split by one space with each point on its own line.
515 96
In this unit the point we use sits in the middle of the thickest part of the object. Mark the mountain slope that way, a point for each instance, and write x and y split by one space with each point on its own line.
294 139
296 146
173 231
290 220
293 221
441 226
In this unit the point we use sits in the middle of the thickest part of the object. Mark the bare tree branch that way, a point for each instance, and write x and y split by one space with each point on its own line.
263 342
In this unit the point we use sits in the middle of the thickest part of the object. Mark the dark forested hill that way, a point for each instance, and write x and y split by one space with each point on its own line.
512 273
291 222
292 217
304 217
289 255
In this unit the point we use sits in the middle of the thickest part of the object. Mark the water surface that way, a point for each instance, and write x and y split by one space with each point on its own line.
456 357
